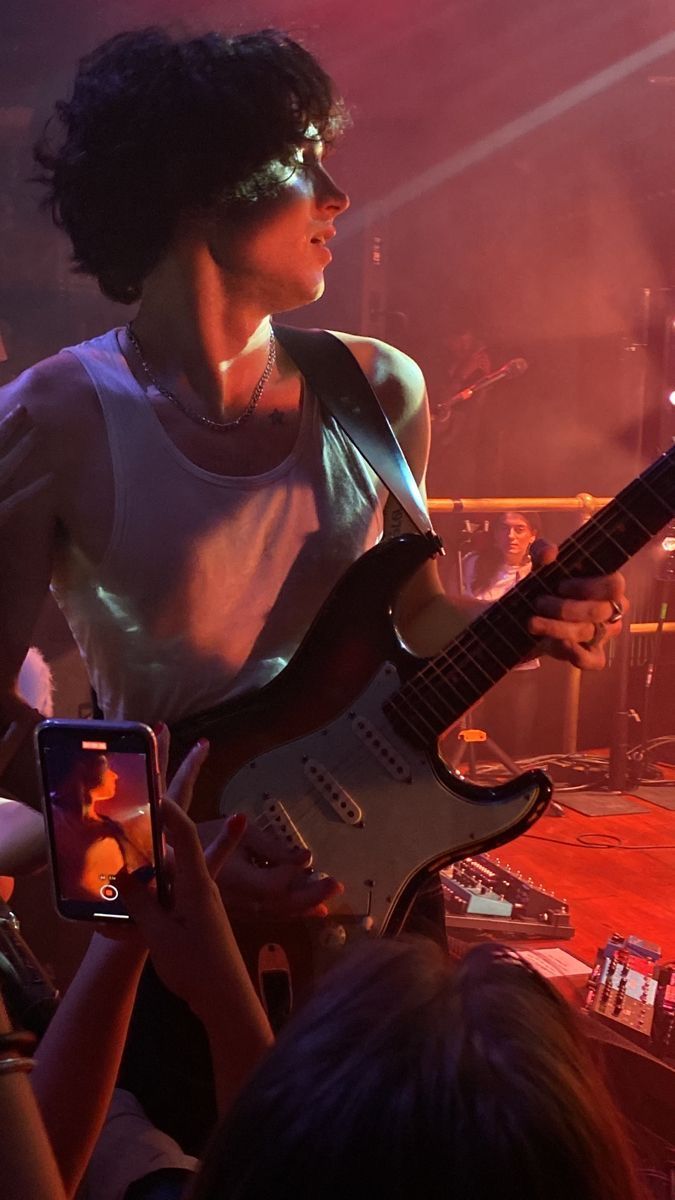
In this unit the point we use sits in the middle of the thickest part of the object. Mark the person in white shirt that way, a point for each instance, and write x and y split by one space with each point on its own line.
510 710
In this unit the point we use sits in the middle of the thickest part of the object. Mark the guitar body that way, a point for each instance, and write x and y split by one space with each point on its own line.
313 758
339 752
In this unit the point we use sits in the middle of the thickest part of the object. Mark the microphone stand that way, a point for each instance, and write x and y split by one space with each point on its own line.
617 776
620 778
510 370
463 724
666 580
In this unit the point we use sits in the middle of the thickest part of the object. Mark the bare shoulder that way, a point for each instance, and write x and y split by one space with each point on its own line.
62 405
397 378
399 384
52 390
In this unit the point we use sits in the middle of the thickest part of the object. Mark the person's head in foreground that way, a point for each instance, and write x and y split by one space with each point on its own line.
405 1076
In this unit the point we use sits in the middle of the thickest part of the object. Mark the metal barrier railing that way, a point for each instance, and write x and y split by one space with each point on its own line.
582 502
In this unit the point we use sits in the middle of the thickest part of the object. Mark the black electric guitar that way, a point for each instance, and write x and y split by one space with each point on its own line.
339 752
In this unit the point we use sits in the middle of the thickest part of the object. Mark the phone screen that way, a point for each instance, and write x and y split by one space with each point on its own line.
99 790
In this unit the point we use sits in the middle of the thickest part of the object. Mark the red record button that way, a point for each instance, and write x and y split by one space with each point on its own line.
109 891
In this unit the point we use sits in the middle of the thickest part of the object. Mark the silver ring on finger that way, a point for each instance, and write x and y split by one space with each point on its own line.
599 635
617 613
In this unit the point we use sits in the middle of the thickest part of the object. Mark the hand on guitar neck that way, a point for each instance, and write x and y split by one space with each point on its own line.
574 625
577 624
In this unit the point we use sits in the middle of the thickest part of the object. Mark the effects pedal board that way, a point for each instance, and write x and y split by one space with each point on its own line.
483 897
631 989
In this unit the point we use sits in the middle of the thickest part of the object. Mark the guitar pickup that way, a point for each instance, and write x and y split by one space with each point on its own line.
328 787
381 749
278 822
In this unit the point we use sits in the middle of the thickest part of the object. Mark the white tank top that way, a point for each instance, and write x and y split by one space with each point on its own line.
209 581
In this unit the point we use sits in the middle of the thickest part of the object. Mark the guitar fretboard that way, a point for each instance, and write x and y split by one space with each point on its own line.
498 640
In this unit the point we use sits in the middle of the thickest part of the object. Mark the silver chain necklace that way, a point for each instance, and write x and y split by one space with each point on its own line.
220 426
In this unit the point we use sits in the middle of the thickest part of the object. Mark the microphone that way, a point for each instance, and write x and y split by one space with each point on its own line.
515 366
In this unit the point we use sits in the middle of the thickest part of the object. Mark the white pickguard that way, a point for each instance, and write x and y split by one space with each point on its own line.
408 816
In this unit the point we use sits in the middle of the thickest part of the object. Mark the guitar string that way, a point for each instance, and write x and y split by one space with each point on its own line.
582 542
447 681
420 693
474 651
424 680
434 670
571 550
465 697
423 687
470 646
588 542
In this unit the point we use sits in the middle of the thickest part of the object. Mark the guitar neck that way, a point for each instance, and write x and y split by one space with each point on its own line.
498 640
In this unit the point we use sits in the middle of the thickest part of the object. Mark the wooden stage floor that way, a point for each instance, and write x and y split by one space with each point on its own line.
626 889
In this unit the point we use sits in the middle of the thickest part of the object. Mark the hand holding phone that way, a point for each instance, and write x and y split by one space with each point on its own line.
101 792
191 945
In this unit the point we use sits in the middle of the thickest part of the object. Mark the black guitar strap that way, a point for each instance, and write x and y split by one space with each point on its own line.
337 380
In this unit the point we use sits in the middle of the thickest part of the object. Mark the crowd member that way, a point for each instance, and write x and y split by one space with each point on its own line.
202 504
28 1168
401 1072
505 558
194 953
404 1076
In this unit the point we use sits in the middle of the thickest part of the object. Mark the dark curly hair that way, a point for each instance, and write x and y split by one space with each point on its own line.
159 127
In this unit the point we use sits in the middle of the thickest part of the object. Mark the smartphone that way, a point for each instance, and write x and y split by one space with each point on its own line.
101 794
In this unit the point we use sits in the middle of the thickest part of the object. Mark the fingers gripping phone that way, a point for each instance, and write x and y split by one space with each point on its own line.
101 795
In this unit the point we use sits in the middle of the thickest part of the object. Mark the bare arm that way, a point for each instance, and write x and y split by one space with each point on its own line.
28 1168
196 955
236 1024
23 847
55 485
79 1056
428 620
28 520
193 951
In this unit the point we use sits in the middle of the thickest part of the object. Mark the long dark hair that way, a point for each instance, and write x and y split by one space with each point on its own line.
157 128
489 558
402 1073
